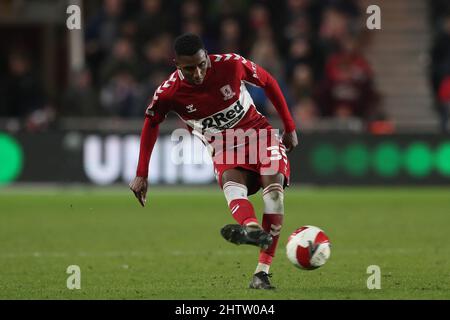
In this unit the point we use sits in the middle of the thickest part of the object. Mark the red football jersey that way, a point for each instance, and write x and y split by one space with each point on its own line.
221 102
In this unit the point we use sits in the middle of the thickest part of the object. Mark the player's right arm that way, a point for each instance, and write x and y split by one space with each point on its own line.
154 115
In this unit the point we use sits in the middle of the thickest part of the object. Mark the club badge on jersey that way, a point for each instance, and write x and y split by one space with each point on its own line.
227 92
190 108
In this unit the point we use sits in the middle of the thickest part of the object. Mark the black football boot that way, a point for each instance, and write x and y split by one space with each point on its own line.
261 281
252 235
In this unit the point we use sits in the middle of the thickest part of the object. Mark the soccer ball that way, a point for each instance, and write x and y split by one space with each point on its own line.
308 248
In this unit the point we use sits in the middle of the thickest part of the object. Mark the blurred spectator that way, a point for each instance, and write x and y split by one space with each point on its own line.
334 27
122 56
259 25
190 12
440 65
193 26
230 36
347 89
157 64
444 103
348 7
80 98
305 113
24 96
221 8
191 9
157 57
302 83
298 16
439 8
192 20
102 31
152 22
304 109
265 54
301 52
122 96
440 54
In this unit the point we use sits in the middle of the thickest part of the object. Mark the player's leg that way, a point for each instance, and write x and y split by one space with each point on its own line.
272 222
235 185
273 197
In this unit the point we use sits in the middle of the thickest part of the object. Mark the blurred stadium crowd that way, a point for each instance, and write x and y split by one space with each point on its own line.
440 59
313 48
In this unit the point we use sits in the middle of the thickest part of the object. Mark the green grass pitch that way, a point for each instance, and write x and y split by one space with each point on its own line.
172 249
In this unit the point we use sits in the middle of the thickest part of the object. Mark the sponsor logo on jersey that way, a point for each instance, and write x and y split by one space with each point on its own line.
224 119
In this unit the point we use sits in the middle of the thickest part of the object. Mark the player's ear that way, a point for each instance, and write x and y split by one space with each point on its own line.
207 58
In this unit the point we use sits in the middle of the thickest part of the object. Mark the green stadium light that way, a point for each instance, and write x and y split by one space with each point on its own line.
442 160
11 159
324 159
387 159
355 159
419 159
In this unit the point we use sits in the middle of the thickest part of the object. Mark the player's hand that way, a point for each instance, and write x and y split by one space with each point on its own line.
290 140
139 187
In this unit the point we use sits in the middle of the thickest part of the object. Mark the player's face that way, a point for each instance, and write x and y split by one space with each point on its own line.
193 67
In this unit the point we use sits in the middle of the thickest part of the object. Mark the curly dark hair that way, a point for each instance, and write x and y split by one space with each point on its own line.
188 44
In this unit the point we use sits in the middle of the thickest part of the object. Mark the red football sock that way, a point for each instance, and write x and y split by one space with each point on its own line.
271 223
242 211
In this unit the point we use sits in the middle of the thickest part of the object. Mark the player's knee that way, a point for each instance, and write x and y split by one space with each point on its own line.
234 190
273 197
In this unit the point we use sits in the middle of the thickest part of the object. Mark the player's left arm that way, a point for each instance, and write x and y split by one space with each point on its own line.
256 75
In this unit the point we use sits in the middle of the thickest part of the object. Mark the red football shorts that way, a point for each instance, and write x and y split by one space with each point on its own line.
257 150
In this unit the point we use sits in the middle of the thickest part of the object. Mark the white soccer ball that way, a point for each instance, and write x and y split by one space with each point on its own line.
308 248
